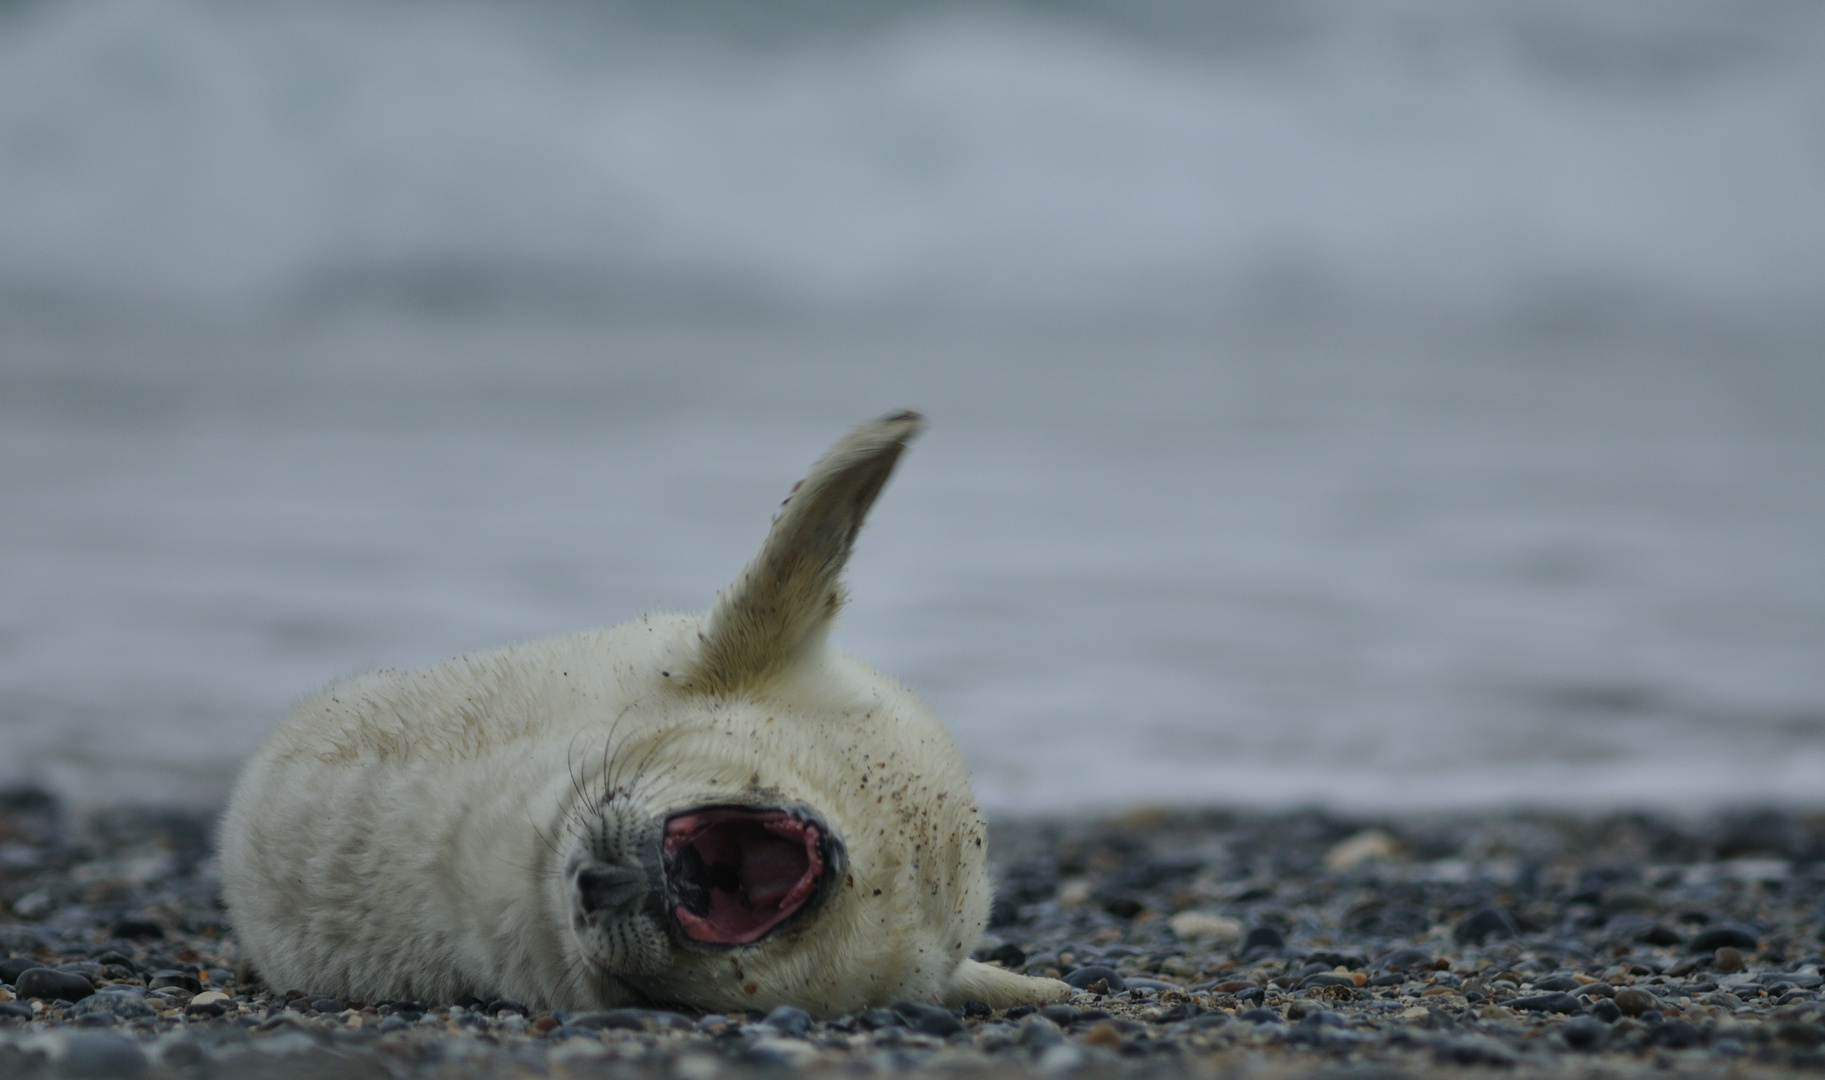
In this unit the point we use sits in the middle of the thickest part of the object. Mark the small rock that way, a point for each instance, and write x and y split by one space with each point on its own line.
212 1003
1483 923
120 1004
1728 960
789 1021
1325 978
102 1054
327 1005
1008 955
15 1010
1713 938
1585 1033
1062 1015
176 977
1205 926
1550 1003
929 1019
1037 1033
13 967
1606 1010
1635 1002
53 985
1259 1016
137 930
1364 846
1085 977
1407 959
1104 1034
1263 937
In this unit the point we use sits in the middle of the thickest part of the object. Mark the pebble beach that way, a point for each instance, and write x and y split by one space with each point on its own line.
1208 943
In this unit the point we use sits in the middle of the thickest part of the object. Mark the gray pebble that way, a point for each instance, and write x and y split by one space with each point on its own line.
1485 922
789 1021
53 985
1085 977
102 1054
1549 1003
1724 935
122 1004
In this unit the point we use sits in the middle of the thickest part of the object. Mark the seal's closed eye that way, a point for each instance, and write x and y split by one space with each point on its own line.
734 874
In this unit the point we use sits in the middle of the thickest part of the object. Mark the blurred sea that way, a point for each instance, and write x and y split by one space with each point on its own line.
1392 404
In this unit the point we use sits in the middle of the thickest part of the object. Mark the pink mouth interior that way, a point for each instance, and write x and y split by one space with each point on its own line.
736 874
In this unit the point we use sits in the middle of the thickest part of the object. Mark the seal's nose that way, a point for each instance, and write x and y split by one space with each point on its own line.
610 888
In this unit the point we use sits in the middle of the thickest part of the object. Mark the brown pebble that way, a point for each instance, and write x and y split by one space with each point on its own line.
1728 961
544 1024
1233 986
1103 1034
1634 1002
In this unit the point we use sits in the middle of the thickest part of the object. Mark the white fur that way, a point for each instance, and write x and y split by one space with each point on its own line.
410 834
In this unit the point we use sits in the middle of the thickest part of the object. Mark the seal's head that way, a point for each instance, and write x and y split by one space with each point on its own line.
780 824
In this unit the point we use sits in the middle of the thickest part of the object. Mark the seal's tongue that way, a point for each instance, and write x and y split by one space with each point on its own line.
736 874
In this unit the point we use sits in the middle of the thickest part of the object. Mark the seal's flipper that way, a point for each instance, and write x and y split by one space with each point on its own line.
783 602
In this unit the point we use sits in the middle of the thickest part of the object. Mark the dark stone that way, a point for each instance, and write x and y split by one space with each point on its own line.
1084 977
495 1008
1062 1015
137 930
211 1008
1123 907
1634 1001
52 985
1263 937
878 1019
393 1023
401 1008
974 1008
467 1001
1563 984
630 1020
1721 936
1259 1016
1484 923
1088 1017
123 1004
1184 1010
1348 961
1674 1035
16 1010
929 1019
1326 979
183 980
118 960
789 1021
327 1005
1142 982
102 1054
1552 1003
12 968
1606 1011
1253 993
1038 1033
1009 955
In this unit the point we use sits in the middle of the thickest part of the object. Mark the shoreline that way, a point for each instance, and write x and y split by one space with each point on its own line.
1203 942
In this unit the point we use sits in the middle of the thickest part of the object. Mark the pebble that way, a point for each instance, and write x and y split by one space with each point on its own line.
1484 923
1205 926
1727 961
40 982
1713 938
1086 977
1633 1002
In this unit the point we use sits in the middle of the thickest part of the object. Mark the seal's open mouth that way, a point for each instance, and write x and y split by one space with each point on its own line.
735 874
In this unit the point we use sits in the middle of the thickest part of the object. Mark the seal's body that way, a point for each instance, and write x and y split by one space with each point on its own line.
712 811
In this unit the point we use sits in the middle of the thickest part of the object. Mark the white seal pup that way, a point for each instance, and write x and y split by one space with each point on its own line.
714 811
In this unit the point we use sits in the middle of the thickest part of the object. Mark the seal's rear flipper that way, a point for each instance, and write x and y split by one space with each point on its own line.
1001 989
783 602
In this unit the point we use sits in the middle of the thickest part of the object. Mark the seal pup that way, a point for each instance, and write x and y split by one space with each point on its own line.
714 811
